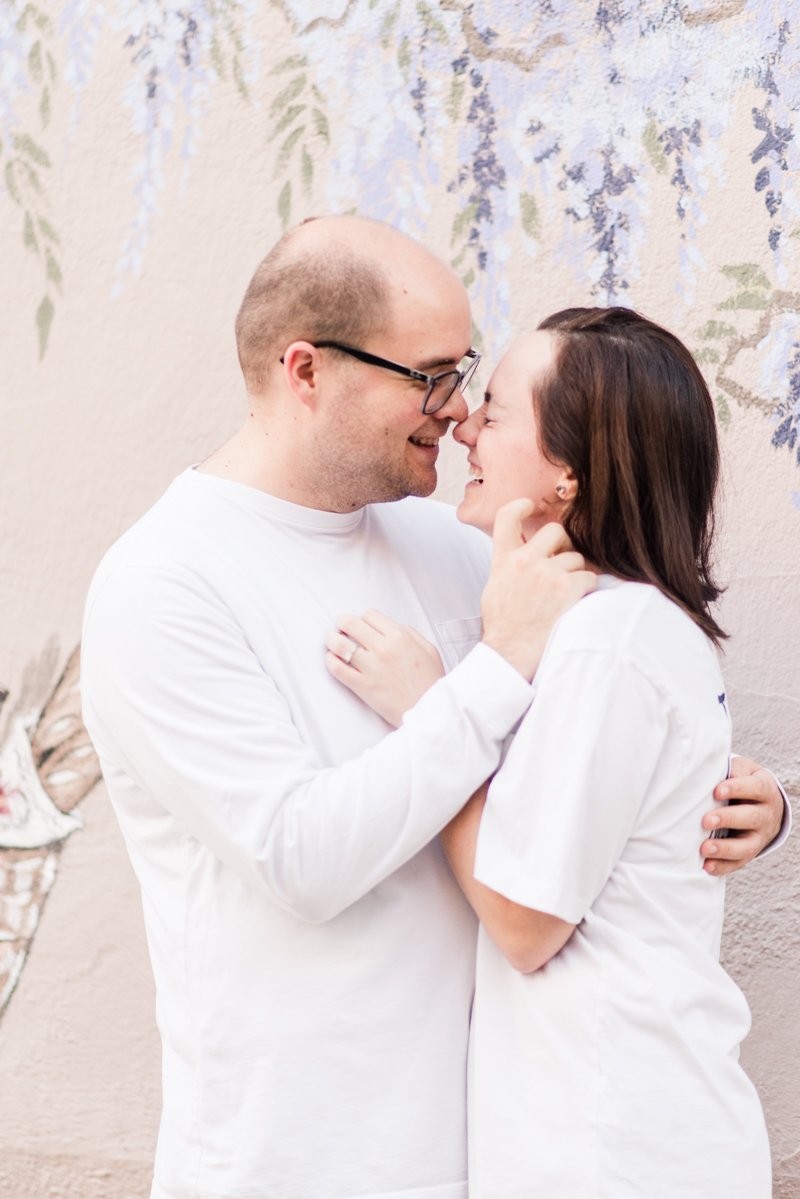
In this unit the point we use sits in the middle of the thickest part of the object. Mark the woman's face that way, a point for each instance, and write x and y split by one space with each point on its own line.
506 462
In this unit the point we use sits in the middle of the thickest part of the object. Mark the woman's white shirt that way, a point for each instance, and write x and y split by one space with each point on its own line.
612 1073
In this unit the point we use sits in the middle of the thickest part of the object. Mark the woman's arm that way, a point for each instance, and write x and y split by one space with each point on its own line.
527 939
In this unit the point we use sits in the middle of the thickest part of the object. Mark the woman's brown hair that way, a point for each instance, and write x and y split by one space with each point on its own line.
626 409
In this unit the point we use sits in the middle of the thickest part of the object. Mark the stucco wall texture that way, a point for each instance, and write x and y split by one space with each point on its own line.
572 153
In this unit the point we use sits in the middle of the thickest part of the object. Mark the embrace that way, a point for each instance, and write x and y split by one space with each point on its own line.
428 835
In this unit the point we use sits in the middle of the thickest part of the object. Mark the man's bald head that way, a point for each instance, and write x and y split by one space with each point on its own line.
329 279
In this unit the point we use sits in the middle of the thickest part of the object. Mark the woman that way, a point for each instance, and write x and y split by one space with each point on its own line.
605 1034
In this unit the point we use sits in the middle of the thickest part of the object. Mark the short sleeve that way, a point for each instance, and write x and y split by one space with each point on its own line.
562 806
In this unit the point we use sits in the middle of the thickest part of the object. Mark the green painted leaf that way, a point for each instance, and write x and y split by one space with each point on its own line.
308 171
35 62
432 23
285 204
40 20
29 235
404 55
453 105
463 221
51 66
238 79
295 63
388 24
293 111
477 338
746 274
286 149
287 95
26 145
44 108
655 152
468 279
723 411
44 319
47 230
716 329
321 123
529 211
456 263
706 355
11 183
30 174
53 269
217 61
744 299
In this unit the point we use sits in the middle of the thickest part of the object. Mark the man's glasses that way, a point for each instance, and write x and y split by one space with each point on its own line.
440 387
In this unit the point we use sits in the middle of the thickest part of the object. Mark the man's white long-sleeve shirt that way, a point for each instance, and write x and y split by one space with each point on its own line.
314 958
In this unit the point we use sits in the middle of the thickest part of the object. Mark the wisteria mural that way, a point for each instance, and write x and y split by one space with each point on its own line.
521 113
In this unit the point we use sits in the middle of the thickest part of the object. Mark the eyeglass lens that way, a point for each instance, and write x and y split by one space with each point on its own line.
441 391
444 387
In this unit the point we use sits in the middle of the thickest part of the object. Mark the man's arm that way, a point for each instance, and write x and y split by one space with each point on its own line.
175 697
758 814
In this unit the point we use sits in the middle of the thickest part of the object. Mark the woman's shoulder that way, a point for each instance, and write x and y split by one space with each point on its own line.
634 621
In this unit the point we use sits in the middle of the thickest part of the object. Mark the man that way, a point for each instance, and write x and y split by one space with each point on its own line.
313 956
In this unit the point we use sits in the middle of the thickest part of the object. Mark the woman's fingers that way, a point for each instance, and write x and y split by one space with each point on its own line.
550 540
507 533
342 646
570 560
380 622
360 630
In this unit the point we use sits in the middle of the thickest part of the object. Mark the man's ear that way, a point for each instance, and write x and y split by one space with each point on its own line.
302 363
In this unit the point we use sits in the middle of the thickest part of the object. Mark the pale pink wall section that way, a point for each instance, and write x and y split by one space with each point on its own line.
134 389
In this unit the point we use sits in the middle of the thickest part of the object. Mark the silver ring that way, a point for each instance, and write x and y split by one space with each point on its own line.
348 657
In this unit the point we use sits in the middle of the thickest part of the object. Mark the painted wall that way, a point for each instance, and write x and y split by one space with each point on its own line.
566 152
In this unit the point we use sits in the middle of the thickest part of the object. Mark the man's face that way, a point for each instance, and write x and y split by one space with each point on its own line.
373 443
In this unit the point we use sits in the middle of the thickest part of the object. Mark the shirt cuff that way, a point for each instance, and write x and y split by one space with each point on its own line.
487 688
786 822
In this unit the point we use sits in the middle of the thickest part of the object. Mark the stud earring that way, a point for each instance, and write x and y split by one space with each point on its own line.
560 490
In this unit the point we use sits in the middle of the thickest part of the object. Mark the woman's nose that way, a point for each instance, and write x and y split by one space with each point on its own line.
466 431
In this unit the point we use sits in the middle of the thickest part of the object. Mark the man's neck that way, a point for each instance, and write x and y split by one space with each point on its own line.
263 456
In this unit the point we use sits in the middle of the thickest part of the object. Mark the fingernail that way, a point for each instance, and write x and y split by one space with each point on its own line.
712 849
724 792
715 820
711 867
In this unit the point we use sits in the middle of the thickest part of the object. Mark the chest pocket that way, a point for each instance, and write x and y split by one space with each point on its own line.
457 637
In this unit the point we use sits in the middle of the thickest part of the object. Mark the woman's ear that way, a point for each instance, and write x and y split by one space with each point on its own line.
567 488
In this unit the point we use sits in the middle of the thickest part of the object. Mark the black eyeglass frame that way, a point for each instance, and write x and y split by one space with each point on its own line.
461 378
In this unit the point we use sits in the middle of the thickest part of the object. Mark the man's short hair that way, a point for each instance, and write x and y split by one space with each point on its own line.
330 294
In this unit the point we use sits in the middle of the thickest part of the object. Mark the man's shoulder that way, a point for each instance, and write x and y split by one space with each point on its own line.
162 543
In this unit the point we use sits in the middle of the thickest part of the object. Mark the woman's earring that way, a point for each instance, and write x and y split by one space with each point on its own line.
560 490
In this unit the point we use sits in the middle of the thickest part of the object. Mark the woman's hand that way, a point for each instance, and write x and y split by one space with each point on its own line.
388 665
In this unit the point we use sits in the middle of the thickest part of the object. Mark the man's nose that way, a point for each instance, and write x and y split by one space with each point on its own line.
454 409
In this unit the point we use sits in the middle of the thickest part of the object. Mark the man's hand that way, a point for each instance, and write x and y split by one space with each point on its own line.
530 585
756 817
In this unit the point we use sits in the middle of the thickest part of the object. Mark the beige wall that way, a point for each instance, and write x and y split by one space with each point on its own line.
132 388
